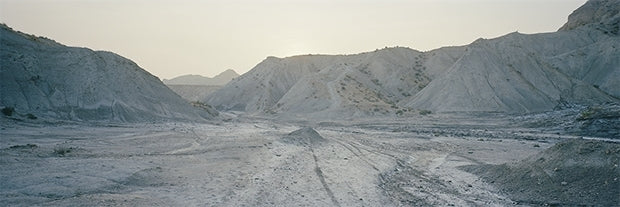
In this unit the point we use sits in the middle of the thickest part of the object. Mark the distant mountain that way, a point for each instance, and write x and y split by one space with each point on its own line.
47 79
353 85
196 87
193 93
218 80
515 73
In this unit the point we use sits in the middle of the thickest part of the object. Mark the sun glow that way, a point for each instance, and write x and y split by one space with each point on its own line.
207 37
296 48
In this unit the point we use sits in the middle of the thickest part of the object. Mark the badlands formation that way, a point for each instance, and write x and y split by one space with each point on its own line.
41 77
518 120
515 73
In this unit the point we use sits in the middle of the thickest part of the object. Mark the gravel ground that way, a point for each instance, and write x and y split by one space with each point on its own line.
446 160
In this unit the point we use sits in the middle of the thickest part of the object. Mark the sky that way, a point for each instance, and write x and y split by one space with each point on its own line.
170 38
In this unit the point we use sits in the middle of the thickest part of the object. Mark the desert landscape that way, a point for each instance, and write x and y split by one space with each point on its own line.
517 120
466 161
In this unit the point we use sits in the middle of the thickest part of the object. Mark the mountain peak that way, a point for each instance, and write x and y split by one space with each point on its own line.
220 79
227 73
602 14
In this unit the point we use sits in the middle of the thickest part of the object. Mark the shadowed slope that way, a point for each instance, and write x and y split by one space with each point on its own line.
47 79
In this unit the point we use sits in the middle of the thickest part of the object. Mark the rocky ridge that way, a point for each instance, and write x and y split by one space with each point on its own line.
45 79
515 73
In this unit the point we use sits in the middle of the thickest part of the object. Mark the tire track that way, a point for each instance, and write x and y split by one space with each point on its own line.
361 157
319 173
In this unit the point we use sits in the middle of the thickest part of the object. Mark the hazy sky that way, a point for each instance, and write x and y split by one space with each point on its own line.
175 37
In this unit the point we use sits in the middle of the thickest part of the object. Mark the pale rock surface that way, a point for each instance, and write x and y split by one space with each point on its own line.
48 79
193 93
353 85
525 73
515 73
600 14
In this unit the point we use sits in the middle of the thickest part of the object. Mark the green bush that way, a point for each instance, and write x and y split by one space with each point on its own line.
425 112
400 112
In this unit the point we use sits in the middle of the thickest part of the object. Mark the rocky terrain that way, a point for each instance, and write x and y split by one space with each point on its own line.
519 120
516 73
574 172
351 85
445 160
193 93
42 78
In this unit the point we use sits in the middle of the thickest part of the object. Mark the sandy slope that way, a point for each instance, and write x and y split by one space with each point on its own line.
50 80
527 73
193 92
345 85
515 73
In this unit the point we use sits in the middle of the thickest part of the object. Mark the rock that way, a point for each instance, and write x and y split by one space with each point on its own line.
306 136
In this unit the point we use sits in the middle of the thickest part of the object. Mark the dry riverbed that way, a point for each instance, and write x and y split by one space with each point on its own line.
258 162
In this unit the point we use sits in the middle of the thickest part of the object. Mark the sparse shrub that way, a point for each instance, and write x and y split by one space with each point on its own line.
63 150
35 78
206 107
31 116
425 112
399 112
588 113
376 82
8 111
